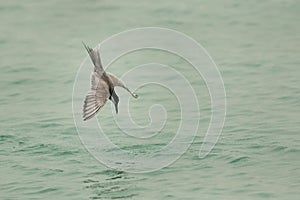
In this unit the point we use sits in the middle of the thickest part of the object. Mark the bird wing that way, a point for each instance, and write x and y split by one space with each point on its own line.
114 79
95 57
96 97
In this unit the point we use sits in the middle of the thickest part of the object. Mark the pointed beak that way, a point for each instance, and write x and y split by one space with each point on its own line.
116 107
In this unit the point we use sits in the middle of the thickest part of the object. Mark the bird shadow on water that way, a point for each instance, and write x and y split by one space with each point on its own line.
110 184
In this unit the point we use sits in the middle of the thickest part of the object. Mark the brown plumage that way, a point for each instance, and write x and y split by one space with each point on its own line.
102 87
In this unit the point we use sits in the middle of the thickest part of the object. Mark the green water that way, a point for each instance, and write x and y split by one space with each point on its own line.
256 47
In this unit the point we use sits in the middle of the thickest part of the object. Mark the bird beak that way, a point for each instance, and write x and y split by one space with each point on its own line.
116 107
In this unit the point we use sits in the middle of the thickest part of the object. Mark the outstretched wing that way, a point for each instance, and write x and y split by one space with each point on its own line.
96 97
95 57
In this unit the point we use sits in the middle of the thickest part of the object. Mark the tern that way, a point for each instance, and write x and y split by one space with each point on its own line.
102 87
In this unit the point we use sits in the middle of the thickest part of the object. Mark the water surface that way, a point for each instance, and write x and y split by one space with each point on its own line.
256 46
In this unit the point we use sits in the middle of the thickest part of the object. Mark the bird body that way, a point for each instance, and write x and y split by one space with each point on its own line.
102 87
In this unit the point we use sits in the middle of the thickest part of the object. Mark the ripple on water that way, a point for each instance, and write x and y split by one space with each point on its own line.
239 159
111 184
